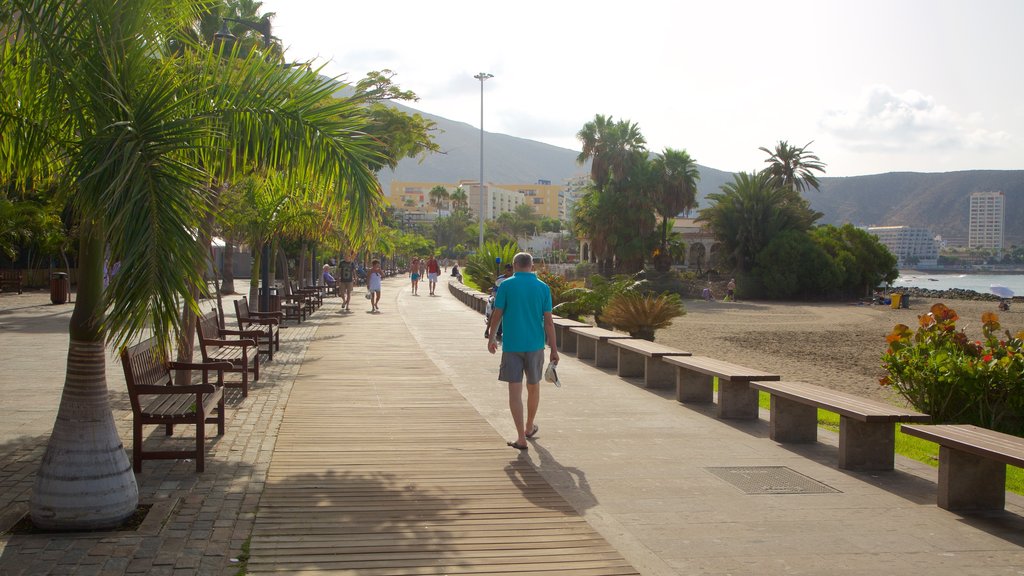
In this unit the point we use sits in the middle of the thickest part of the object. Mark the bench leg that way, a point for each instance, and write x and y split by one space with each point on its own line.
658 374
792 421
864 446
585 347
736 400
569 341
605 355
630 364
694 386
136 446
969 482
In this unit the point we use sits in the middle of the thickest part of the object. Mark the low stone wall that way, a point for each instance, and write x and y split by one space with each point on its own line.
954 294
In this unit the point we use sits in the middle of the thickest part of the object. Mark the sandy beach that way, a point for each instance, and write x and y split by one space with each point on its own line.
834 345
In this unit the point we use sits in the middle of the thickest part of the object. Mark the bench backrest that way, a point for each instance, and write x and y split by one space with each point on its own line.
242 312
145 364
208 328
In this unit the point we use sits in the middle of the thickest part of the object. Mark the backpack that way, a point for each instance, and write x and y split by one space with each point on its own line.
345 272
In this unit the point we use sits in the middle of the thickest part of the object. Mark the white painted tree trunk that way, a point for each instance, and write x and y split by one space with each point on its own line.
85 480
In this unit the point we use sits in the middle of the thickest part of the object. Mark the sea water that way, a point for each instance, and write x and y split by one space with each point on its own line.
977 282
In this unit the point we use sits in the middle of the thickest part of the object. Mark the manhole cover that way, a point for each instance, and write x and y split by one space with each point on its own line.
770 480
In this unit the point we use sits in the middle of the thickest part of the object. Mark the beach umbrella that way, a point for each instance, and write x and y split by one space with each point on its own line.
1001 291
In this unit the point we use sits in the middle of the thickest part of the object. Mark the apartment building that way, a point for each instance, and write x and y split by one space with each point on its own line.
987 214
546 199
911 246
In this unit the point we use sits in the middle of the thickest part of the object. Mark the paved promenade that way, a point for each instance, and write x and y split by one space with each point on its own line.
406 403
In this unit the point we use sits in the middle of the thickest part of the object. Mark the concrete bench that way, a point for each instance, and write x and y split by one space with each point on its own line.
479 301
592 344
972 464
867 428
566 342
643 358
695 383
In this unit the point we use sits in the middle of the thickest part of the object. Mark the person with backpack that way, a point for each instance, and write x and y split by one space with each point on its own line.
346 278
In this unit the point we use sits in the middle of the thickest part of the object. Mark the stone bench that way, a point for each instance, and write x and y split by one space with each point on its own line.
867 428
593 344
972 464
562 325
695 383
644 358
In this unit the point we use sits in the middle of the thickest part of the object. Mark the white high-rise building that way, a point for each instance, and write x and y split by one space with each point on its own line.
910 246
986 220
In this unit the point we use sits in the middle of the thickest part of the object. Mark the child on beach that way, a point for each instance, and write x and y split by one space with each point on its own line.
373 280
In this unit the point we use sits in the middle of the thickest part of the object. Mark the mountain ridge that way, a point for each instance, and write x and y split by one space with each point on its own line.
938 201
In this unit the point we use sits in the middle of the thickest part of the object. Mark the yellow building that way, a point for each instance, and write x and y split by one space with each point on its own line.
545 198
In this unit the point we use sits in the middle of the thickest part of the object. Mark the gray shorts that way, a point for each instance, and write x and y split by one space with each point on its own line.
513 364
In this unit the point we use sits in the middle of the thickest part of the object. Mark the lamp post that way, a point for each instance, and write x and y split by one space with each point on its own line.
481 77
263 27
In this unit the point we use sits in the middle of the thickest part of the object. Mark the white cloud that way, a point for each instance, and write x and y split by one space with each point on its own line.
883 119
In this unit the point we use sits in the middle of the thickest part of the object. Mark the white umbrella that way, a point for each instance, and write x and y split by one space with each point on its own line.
1001 291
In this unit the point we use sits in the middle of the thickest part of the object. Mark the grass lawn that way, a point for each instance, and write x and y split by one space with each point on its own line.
909 446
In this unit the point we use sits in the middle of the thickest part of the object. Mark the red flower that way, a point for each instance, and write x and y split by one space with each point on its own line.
987 358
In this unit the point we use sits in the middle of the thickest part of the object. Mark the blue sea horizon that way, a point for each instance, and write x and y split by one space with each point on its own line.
947 281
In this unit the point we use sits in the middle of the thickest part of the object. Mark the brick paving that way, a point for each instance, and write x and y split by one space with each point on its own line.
199 522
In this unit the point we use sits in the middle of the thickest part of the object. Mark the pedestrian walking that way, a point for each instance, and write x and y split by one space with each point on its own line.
523 306
433 270
373 281
346 277
414 274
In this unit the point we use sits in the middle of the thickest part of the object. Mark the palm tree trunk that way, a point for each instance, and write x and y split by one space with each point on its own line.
227 285
187 337
85 480
254 277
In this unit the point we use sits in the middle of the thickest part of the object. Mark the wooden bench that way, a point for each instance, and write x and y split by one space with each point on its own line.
156 400
593 344
267 324
643 358
867 428
566 342
242 353
10 280
695 383
972 464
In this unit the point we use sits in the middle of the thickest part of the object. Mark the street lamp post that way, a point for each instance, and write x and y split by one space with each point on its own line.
481 77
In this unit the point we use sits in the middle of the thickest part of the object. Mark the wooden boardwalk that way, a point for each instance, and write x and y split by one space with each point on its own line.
382 467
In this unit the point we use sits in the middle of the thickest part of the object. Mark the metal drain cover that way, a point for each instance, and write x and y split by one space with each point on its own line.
770 480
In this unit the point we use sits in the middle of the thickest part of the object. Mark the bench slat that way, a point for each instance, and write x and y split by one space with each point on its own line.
647 348
862 409
719 368
597 333
972 439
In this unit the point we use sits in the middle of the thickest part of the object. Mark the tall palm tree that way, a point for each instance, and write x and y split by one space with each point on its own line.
439 197
675 189
459 199
794 167
138 141
750 211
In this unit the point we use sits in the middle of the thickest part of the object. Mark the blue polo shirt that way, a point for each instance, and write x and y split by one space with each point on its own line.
523 300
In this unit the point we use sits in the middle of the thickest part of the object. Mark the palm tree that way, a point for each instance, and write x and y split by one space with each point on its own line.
439 197
139 142
675 190
459 199
750 211
794 167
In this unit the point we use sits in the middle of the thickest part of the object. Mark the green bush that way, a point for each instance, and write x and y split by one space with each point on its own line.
481 269
941 372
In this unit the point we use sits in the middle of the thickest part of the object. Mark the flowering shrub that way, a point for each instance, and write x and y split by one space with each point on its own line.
945 374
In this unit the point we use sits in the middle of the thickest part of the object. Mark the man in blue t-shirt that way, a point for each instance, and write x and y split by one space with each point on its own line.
523 307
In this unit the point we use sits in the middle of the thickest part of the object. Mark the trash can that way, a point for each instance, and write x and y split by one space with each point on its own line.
275 300
905 301
896 297
60 286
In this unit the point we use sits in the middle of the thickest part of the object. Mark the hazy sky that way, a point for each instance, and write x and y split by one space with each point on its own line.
878 85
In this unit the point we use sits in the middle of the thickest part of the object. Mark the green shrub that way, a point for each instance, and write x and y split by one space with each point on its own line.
481 269
641 314
941 372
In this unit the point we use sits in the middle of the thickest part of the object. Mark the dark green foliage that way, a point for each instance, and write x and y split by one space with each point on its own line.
863 261
481 269
794 265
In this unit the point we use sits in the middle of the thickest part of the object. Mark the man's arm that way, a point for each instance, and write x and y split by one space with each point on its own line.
549 333
492 329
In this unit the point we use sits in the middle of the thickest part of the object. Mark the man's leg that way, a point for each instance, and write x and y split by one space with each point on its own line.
515 406
532 403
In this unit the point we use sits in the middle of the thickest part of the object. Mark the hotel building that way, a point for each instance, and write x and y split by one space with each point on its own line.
987 213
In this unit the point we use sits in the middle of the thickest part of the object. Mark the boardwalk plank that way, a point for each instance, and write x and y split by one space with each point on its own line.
382 467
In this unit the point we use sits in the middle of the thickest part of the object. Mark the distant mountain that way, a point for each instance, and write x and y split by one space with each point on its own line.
938 201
